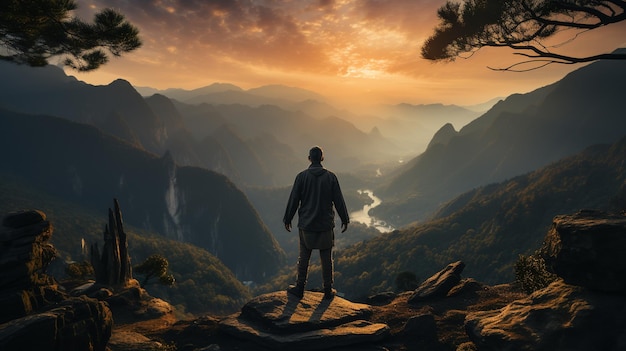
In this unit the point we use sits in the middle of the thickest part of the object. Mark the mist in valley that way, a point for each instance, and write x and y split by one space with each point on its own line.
186 164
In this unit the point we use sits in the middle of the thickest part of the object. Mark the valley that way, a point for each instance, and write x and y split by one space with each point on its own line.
213 168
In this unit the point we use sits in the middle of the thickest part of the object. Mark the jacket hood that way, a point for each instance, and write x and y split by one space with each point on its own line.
317 170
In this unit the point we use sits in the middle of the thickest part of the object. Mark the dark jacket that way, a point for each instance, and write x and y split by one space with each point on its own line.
313 195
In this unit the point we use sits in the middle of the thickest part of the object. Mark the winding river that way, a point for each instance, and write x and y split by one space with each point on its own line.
363 216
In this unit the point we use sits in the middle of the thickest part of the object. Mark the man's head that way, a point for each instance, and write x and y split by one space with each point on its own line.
316 154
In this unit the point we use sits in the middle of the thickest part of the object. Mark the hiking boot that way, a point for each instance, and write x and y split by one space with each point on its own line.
296 290
329 294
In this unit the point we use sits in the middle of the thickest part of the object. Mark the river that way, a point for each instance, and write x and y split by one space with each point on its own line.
363 216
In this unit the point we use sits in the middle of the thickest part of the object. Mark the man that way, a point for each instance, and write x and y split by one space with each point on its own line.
313 195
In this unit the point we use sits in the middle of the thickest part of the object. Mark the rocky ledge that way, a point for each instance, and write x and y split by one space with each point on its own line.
584 309
281 321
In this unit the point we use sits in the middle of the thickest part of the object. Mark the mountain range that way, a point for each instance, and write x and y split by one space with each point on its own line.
193 133
483 190
490 226
519 134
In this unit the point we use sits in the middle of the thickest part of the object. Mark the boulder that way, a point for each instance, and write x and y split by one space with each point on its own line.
559 317
36 315
74 324
281 321
466 286
587 249
421 327
383 298
439 284
24 252
131 341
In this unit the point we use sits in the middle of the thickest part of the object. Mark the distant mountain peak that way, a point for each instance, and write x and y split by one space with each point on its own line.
443 135
121 83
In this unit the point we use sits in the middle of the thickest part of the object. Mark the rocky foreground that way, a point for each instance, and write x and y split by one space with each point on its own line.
585 309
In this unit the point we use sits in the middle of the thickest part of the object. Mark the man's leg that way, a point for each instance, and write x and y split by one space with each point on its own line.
326 256
303 268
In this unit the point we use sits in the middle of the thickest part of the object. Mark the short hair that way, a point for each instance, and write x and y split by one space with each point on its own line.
316 154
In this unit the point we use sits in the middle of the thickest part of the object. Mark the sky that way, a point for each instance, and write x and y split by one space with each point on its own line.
356 51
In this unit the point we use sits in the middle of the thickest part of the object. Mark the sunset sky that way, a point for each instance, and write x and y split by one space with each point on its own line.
359 51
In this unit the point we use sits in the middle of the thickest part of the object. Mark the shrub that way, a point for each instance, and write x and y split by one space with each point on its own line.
531 273
79 270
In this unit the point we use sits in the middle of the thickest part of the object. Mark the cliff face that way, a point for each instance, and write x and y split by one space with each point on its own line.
188 204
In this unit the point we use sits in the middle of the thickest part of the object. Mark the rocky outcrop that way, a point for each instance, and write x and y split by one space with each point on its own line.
559 317
439 284
36 315
585 310
587 249
112 265
281 321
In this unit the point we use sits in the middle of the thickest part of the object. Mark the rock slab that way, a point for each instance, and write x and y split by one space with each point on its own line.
281 321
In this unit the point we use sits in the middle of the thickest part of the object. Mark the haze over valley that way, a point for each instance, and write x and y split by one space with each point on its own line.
480 147
412 158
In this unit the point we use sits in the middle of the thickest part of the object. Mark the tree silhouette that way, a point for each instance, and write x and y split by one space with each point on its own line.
34 31
406 281
522 25
155 267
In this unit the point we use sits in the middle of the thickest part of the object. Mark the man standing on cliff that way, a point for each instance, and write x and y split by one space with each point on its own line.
313 195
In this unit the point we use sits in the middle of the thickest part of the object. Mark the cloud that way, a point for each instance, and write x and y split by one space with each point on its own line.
322 36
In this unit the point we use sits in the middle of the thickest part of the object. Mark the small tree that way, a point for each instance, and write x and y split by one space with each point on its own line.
522 25
155 268
531 273
34 31
406 281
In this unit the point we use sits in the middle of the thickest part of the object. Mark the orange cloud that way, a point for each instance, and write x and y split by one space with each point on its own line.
311 43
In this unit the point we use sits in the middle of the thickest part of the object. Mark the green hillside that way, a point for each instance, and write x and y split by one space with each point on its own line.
489 227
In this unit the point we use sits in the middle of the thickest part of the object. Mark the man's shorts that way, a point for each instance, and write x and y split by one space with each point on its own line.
317 240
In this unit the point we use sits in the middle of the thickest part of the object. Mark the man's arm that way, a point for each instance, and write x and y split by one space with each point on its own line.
292 204
340 206
344 227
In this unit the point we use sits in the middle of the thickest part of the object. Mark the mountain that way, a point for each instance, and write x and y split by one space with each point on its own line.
488 227
183 95
81 164
413 125
116 108
346 146
224 93
519 134
159 124
485 106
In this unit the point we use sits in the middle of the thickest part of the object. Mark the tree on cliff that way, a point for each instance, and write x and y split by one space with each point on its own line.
155 267
522 25
34 31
